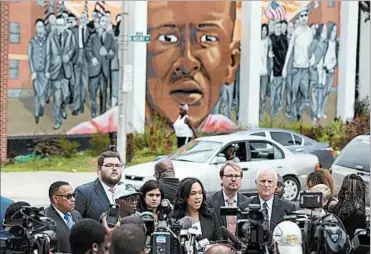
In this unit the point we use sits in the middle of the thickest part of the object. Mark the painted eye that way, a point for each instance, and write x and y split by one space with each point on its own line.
168 38
209 38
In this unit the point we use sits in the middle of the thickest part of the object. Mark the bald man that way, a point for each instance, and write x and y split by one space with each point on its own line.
218 249
273 208
165 174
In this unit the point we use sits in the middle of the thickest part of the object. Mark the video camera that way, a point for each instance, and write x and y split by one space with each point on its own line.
361 239
253 237
28 231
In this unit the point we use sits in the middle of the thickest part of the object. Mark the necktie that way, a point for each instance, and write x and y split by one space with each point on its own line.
112 190
83 37
68 220
231 220
60 39
265 224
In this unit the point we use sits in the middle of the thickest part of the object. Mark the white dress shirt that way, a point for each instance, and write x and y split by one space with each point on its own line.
81 36
62 216
269 206
107 191
226 201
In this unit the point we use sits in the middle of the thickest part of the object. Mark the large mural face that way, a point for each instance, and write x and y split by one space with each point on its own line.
299 57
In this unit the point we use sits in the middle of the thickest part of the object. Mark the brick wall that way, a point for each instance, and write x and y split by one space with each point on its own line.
4 69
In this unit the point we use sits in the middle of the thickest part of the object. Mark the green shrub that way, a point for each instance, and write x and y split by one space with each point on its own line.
68 148
45 147
98 144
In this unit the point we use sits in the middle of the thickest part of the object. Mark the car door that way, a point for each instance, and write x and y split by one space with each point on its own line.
262 154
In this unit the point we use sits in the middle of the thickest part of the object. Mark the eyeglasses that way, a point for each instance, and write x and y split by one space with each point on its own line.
111 165
303 15
67 196
151 195
237 177
132 199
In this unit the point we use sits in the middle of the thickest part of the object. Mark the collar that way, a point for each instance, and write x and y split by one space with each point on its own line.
61 214
269 202
106 187
226 197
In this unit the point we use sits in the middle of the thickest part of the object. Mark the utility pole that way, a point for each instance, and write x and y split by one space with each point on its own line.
125 80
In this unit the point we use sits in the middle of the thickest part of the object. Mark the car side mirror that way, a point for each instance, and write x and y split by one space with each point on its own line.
219 159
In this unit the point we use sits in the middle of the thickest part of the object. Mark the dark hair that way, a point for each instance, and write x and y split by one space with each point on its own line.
284 22
39 20
13 209
183 193
136 220
352 197
84 234
147 187
107 154
108 12
117 28
330 27
321 176
59 16
71 15
266 26
50 14
55 186
128 239
318 33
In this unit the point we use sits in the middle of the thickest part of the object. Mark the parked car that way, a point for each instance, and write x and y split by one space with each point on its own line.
203 157
296 143
353 159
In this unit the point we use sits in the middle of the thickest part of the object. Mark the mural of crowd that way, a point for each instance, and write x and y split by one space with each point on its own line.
297 60
69 56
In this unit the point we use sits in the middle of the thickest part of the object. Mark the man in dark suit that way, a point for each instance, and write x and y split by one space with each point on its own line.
230 174
102 48
94 198
165 175
273 208
62 211
60 47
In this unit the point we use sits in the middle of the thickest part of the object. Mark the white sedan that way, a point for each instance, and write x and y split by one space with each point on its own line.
203 157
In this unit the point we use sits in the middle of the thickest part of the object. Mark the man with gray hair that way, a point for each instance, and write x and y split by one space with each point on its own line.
218 249
165 174
273 208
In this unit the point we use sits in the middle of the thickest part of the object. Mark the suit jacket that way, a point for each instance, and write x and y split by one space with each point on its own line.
95 43
91 200
216 200
80 57
37 53
55 52
279 210
62 231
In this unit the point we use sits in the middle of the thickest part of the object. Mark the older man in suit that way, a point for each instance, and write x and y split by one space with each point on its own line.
94 198
61 210
230 174
102 48
273 208
59 69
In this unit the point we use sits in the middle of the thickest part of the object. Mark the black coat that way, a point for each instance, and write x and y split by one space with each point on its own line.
62 231
169 187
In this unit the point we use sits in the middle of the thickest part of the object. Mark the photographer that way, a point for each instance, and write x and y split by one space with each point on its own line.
150 198
287 238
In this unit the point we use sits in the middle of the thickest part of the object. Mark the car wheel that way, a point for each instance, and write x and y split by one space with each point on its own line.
292 188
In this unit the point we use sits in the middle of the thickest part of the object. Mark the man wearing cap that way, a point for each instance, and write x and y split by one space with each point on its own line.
127 198
287 238
165 174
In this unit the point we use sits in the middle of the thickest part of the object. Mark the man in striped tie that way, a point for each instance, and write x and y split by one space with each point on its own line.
61 210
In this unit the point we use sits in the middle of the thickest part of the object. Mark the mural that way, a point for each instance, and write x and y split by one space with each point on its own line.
299 56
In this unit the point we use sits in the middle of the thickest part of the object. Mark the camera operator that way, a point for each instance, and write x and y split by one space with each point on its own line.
165 174
87 236
351 208
11 211
150 198
61 210
272 207
287 238
128 239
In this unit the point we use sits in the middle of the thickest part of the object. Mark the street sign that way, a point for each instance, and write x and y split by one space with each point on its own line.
140 37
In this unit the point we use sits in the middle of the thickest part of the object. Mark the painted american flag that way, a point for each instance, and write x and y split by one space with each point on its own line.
275 11
100 8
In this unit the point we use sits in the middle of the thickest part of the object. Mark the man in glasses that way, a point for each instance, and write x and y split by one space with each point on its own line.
62 199
299 47
94 198
127 198
165 174
230 175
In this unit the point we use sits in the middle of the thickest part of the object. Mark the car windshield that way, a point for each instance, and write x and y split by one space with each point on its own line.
356 155
196 151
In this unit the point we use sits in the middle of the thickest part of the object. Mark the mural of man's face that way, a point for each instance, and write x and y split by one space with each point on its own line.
283 27
271 23
303 18
290 28
84 19
52 20
40 28
191 55
61 24
264 32
277 29
103 22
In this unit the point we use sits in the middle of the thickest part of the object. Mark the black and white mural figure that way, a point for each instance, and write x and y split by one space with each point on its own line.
59 51
37 61
102 48
81 35
299 47
329 65
265 67
71 21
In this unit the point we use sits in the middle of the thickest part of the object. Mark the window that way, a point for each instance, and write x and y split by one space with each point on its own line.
283 138
239 152
271 152
14 32
13 69
196 151
298 140
260 134
356 155
331 3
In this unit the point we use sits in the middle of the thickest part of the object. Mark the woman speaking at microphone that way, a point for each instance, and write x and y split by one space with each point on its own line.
151 195
191 201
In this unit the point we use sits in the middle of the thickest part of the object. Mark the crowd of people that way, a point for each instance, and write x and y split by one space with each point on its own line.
81 213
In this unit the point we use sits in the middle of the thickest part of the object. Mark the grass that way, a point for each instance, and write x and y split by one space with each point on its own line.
81 163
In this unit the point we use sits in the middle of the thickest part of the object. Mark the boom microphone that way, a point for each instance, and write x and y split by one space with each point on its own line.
226 233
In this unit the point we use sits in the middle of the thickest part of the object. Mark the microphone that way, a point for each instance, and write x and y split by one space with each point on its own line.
226 233
201 243
192 234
